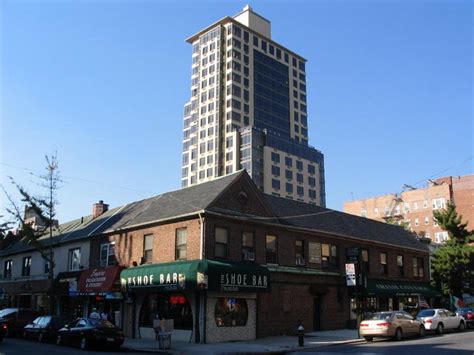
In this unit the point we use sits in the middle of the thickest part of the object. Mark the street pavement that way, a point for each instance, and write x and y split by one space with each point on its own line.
446 344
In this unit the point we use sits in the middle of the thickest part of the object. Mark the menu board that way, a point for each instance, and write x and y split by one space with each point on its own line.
314 250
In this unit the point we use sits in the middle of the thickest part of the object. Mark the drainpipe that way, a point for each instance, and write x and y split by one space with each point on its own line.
201 245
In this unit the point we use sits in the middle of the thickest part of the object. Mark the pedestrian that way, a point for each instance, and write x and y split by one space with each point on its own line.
94 314
104 315
300 331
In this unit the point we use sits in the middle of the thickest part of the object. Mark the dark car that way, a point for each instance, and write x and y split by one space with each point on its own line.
3 331
15 319
468 314
87 332
44 328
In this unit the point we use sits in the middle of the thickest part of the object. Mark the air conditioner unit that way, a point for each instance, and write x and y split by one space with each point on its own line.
300 261
249 255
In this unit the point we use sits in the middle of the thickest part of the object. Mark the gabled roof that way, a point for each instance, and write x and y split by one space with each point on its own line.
170 205
303 215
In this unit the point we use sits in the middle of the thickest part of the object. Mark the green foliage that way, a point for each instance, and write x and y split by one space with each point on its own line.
453 264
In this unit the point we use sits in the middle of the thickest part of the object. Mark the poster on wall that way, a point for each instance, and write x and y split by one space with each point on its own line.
231 312
314 250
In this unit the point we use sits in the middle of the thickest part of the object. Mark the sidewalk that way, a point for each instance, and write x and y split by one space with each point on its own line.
263 345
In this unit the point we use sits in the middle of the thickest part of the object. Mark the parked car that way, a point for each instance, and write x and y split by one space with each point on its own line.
15 319
394 324
87 332
44 328
468 314
3 331
440 319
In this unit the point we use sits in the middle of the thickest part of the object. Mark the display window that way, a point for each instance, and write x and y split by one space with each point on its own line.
166 306
231 312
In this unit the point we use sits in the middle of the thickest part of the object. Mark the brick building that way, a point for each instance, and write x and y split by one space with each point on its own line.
415 207
228 262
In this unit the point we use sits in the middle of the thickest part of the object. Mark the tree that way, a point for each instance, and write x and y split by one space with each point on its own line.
453 264
36 219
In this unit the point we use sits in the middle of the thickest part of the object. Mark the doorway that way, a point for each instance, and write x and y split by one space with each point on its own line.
317 312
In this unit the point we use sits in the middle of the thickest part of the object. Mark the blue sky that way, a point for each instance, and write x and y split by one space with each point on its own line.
104 82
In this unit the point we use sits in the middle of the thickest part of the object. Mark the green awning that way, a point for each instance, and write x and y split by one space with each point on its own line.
198 274
399 288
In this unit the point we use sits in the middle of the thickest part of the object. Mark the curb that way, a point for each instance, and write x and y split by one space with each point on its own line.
312 346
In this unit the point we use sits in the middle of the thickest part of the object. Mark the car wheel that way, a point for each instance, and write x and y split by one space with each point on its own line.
462 326
40 337
422 331
83 343
369 339
398 334
59 340
440 328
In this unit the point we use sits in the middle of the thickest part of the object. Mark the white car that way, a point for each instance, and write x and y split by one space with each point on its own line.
440 319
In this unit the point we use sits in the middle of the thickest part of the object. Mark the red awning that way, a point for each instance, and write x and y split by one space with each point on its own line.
105 279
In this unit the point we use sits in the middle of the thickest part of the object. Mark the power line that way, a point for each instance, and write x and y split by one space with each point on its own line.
33 172
442 171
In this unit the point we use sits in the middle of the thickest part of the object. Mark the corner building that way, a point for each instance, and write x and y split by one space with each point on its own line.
248 110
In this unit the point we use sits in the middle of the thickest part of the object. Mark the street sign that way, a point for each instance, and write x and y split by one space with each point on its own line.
350 275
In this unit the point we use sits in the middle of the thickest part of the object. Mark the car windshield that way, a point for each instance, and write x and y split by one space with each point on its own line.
465 309
100 323
7 311
426 313
380 316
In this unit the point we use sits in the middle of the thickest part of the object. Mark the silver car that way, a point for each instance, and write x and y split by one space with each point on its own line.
440 319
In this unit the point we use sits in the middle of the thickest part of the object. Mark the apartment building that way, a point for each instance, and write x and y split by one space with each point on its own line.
248 110
415 207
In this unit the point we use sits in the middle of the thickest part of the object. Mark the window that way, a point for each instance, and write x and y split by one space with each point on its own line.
401 270
425 204
288 161
275 170
7 269
311 169
299 165
289 174
231 312
299 252
329 256
181 236
255 41
47 264
438 203
275 157
289 188
415 205
383 263
299 178
220 243
275 184
148 248
74 259
300 190
427 221
107 254
312 194
248 242
311 181
418 269
417 222
365 261
271 249
441 237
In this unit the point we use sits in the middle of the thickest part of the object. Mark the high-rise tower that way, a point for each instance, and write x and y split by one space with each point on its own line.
248 110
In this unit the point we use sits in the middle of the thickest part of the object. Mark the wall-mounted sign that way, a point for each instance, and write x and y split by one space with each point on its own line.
314 251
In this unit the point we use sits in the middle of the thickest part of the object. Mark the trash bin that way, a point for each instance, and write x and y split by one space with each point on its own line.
164 339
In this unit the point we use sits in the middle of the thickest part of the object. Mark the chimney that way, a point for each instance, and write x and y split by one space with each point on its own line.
99 208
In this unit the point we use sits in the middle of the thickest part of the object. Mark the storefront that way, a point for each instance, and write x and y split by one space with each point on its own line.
101 289
381 295
32 294
208 301
65 288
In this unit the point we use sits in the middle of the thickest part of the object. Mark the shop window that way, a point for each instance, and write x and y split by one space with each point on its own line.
107 254
418 269
248 242
231 312
383 264
220 244
74 260
147 248
271 249
181 236
329 256
166 306
7 269
401 271
299 252
365 261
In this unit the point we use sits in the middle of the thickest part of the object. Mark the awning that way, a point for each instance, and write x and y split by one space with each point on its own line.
66 283
29 286
99 280
198 274
400 288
